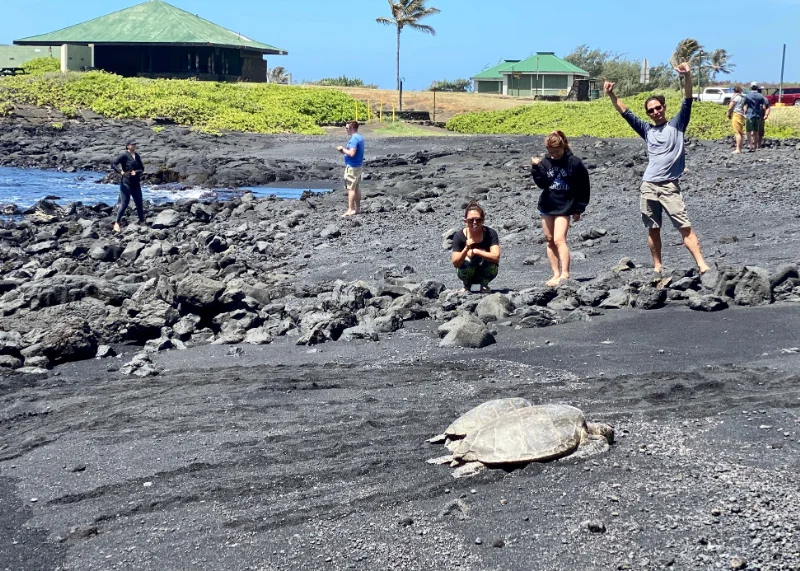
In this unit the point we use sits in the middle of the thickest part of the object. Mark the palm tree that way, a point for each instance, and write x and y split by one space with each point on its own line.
278 75
720 63
687 50
407 13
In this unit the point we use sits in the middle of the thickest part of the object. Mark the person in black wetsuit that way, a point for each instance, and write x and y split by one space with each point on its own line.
130 166
564 181
476 250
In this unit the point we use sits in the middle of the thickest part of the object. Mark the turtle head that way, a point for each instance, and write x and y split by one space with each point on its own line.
601 429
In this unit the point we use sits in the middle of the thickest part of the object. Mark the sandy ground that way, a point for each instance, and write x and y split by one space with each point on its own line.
283 458
289 457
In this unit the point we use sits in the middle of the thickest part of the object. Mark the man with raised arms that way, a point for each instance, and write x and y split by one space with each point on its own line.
660 190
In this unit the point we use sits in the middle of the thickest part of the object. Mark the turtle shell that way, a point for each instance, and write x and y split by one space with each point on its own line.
529 434
473 419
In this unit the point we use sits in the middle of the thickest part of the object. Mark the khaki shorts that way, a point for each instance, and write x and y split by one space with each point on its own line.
738 124
352 178
658 196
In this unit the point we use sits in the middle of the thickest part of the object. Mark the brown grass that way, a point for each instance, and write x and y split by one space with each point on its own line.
785 117
447 104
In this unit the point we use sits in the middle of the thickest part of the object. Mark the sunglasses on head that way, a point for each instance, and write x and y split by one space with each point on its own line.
473 220
654 109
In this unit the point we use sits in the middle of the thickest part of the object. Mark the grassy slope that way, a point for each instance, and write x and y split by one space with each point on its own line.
209 106
598 119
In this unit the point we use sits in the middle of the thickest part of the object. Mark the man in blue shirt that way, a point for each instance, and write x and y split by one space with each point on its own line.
353 162
660 190
756 113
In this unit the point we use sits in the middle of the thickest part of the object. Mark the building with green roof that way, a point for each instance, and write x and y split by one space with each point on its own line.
156 39
542 74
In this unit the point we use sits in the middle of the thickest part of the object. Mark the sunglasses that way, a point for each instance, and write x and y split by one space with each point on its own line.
654 109
473 220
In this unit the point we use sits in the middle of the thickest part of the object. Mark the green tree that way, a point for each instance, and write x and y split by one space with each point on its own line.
278 75
456 85
408 13
688 50
589 60
719 62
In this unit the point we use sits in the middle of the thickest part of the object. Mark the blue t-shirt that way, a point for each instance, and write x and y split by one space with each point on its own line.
356 142
754 101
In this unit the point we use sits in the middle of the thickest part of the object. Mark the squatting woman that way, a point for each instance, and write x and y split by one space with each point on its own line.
564 181
476 250
130 166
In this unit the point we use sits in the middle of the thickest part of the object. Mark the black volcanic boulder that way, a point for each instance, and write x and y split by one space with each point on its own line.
198 291
105 252
753 287
67 341
707 303
651 298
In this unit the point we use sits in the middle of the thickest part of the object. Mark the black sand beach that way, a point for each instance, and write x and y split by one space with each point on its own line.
305 447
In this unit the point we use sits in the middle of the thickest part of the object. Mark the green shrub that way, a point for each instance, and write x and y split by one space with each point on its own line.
6 107
207 106
58 126
41 65
457 85
597 119
342 81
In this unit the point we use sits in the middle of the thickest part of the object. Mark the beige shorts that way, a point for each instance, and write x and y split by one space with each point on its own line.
658 196
352 178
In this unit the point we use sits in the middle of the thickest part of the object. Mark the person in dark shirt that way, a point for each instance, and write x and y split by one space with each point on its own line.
756 114
564 181
130 166
476 250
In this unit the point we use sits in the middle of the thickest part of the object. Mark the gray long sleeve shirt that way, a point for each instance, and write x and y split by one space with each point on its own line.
665 148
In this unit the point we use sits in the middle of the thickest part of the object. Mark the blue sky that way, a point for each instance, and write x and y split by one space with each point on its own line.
327 38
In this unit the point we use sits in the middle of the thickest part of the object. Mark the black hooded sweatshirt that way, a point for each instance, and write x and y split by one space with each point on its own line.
565 184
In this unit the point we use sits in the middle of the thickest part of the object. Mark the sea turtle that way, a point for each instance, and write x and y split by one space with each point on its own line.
524 434
482 414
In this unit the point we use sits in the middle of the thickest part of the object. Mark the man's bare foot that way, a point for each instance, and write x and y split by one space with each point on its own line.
553 282
117 229
658 270
348 213
703 269
736 152
563 278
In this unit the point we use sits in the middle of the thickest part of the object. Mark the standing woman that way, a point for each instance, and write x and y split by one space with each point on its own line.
476 250
565 183
130 166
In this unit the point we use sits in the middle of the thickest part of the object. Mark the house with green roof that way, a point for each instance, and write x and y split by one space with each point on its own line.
542 74
156 39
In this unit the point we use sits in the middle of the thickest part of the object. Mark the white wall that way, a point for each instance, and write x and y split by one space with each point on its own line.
73 57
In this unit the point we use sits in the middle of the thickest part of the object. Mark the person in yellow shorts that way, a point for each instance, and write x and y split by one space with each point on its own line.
736 115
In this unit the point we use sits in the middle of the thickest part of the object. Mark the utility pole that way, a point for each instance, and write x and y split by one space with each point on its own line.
783 61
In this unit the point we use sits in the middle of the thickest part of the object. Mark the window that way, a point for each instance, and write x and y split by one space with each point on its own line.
555 82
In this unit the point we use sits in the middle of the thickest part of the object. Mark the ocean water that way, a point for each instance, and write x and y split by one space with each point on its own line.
24 187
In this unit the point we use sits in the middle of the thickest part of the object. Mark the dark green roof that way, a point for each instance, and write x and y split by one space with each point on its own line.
542 62
495 72
150 23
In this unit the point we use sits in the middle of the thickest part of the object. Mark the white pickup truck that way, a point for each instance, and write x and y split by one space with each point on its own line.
721 95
